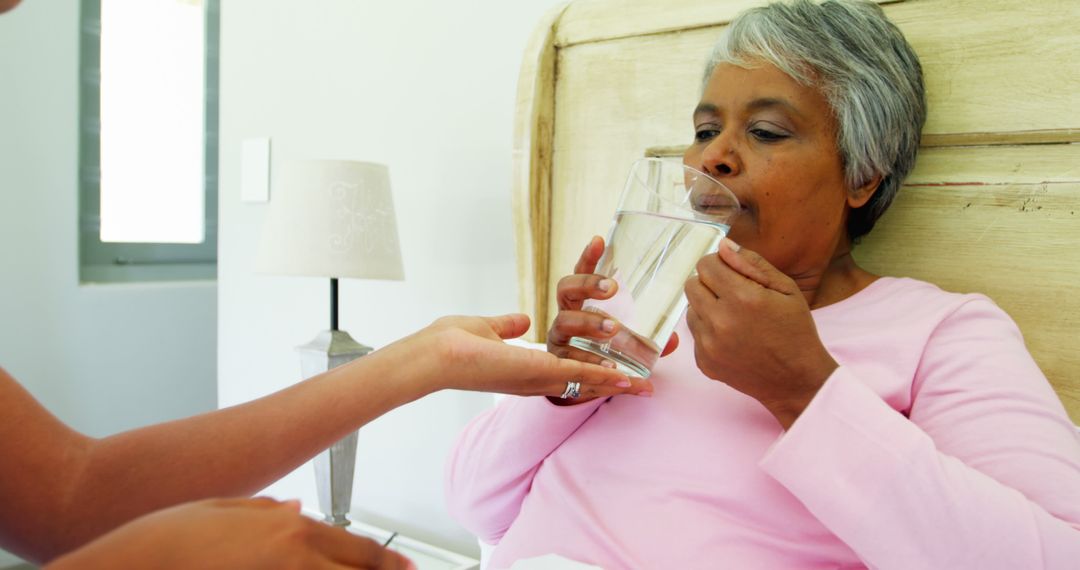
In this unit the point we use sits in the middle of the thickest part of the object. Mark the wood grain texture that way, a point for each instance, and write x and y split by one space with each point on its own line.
599 20
1049 136
996 66
532 149
1027 164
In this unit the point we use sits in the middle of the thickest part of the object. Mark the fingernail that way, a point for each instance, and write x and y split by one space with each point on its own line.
608 325
605 285
732 245
623 384
607 364
644 394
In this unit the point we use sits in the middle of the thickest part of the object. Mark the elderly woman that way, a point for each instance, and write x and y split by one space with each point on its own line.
825 417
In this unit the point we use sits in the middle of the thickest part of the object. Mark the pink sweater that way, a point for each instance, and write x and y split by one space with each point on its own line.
938 443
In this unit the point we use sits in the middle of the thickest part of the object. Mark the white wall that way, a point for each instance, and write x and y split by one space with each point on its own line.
102 358
428 88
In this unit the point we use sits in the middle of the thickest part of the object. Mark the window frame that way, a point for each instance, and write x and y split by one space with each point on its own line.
108 262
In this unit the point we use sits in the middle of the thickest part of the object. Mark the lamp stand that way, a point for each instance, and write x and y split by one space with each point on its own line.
334 467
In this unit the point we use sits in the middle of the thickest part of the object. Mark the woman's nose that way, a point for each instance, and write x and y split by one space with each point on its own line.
721 156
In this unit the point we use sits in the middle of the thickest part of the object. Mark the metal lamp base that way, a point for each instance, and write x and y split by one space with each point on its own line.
336 466
334 470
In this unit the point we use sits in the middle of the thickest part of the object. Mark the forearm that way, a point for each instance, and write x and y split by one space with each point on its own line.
230 452
877 481
70 489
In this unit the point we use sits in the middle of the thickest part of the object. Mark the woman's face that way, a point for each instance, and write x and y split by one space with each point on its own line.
772 142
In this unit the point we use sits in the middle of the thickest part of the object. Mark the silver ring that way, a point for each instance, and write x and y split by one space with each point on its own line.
573 390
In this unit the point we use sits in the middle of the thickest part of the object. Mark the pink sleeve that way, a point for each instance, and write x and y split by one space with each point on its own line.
490 469
985 473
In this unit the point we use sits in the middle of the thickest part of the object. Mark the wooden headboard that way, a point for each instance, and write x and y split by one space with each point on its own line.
993 205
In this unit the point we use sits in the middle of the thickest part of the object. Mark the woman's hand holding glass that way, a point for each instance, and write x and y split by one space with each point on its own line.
753 331
571 293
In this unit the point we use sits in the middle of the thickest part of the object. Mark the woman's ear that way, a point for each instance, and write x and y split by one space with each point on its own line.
858 197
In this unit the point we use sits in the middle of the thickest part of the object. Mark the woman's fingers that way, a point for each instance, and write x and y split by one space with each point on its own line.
573 353
714 274
703 306
698 294
733 266
596 374
640 388
539 373
590 256
572 290
588 373
592 384
555 372
569 324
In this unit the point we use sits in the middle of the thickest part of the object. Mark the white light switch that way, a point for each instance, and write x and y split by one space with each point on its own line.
255 170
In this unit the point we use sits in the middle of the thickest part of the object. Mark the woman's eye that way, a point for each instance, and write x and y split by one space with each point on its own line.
704 134
765 135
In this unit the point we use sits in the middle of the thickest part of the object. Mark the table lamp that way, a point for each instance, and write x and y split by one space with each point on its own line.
332 219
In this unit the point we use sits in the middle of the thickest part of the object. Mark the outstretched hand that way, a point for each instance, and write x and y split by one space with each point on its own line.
476 358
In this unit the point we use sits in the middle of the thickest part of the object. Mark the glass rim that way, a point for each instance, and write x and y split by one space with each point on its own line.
685 167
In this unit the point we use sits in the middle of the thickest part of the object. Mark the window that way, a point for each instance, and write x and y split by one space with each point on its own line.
148 148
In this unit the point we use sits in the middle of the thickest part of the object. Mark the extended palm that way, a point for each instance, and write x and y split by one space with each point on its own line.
476 358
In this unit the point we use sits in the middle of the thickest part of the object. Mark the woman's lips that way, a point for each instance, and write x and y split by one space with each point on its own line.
716 203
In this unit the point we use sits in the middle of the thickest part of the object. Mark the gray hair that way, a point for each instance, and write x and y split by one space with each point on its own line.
863 66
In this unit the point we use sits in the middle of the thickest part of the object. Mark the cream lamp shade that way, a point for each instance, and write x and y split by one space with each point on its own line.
332 218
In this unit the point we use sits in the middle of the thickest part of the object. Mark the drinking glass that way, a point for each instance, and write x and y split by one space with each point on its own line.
668 217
